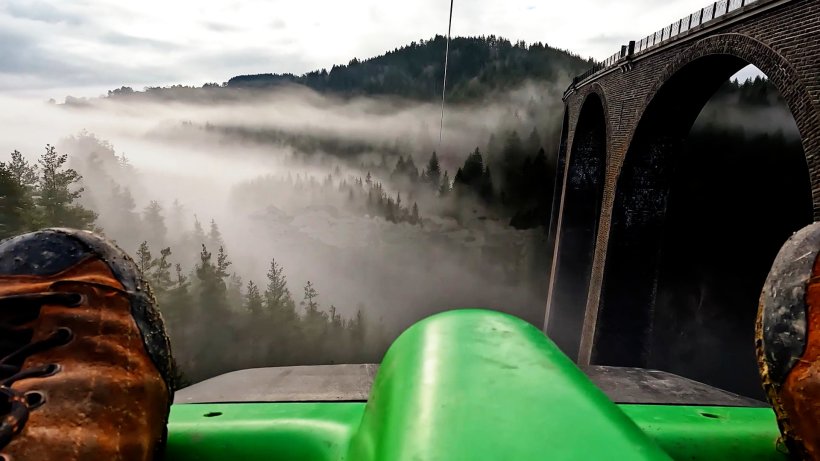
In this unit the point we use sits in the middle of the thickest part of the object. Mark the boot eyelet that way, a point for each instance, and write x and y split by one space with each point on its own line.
63 335
75 299
51 369
35 399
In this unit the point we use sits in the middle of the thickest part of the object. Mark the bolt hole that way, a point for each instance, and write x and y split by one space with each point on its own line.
710 415
212 414
34 399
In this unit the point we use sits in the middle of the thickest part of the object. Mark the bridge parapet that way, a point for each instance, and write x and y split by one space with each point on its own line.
698 20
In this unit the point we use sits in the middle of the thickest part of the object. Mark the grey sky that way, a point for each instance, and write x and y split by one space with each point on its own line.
49 47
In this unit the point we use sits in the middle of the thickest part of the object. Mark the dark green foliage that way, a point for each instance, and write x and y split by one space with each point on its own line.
15 204
22 172
57 192
432 174
445 186
160 277
40 195
478 67
755 92
474 178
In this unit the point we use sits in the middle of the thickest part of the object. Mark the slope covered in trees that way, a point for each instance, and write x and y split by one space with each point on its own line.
478 66
216 321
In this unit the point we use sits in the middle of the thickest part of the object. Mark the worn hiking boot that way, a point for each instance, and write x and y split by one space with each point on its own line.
85 367
788 342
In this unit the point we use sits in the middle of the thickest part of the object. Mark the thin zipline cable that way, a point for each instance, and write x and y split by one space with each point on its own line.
444 84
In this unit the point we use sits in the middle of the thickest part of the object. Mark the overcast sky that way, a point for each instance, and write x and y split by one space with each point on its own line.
51 47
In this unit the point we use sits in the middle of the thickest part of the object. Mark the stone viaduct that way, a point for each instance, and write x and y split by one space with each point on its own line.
624 121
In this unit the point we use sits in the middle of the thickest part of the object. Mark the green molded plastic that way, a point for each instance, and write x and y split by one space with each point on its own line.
710 433
471 385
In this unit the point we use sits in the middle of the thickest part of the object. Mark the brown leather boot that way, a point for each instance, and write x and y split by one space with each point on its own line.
788 342
85 372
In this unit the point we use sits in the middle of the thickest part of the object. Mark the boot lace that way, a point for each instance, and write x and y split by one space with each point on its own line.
15 341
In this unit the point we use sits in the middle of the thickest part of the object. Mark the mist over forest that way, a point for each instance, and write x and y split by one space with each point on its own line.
309 219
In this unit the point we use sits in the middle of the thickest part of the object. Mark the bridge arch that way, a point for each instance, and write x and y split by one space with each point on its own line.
583 184
745 50
630 319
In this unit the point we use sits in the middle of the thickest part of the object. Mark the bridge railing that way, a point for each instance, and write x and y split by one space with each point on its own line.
698 18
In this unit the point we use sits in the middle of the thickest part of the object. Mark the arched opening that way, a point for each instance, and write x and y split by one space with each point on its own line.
579 226
698 218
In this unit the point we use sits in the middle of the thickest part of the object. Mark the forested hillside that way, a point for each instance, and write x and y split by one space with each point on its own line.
478 67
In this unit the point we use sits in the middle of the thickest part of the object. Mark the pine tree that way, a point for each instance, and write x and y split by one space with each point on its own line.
145 262
15 204
58 189
286 331
414 217
432 174
160 277
154 223
473 168
222 263
315 324
309 301
276 294
214 236
22 172
212 286
444 189
214 334
254 303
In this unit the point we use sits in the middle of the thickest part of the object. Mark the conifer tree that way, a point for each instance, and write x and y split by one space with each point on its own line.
214 236
154 223
432 173
57 191
254 304
22 172
15 204
144 261
444 188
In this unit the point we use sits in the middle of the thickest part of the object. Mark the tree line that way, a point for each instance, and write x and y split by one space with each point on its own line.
216 322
